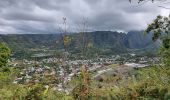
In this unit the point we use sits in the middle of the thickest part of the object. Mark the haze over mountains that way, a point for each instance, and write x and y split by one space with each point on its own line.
115 42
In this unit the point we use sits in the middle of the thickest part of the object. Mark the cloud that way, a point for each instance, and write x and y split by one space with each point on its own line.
45 16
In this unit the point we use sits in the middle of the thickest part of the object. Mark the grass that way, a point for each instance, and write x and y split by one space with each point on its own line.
146 83
114 65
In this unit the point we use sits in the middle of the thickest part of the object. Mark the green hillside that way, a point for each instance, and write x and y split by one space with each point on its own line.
103 42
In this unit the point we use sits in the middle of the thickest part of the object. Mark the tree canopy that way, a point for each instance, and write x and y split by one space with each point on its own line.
4 54
160 28
139 1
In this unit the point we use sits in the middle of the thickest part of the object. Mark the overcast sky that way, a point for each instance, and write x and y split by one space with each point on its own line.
46 16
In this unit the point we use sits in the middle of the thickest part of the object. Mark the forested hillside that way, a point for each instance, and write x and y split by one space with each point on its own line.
103 41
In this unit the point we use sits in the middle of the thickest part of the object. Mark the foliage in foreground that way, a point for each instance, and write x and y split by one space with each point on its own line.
4 54
147 83
11 91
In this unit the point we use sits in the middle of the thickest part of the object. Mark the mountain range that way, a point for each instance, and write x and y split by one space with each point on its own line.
103 41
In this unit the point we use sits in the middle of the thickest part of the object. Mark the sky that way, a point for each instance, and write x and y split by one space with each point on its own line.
46 16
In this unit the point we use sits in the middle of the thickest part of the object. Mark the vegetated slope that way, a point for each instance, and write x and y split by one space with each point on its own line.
21 41
105 41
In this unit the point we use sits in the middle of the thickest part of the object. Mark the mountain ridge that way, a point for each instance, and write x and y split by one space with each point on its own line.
108 41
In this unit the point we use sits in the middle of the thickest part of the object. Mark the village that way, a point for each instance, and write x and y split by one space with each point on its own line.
57 73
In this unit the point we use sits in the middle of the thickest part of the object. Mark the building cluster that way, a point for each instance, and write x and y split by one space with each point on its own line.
56 72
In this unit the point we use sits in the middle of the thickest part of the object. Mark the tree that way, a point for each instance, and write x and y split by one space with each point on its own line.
162 2
84 40
160 28
139 1
4 55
